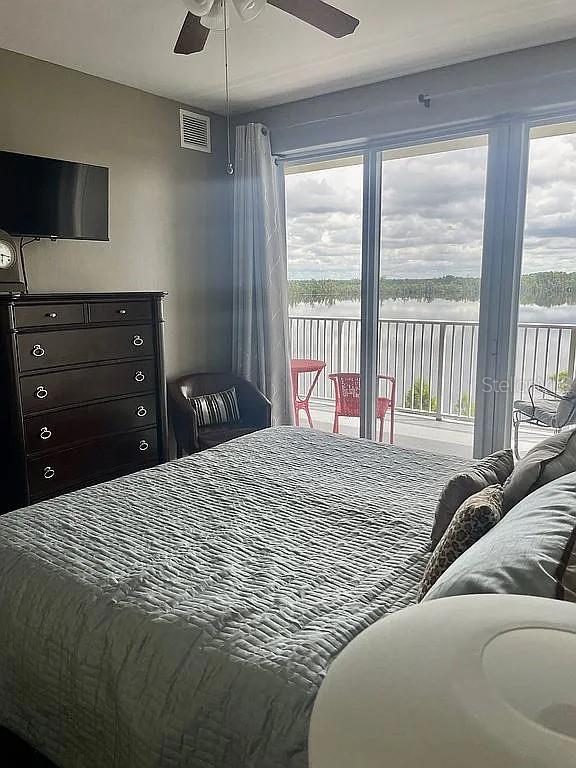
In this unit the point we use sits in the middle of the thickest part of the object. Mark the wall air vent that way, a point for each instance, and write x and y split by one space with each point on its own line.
195 131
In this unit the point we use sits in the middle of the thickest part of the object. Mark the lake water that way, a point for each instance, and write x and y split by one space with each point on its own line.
438 309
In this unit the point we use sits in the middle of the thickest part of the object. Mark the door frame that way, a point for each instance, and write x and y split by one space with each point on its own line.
500 286
371 260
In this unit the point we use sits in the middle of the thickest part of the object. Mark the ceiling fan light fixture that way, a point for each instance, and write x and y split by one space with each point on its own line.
216 19
249 9
199 7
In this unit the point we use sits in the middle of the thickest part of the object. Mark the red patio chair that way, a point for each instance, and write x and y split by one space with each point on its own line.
347 388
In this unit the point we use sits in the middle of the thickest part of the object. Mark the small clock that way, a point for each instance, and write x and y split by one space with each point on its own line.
7 254
11 271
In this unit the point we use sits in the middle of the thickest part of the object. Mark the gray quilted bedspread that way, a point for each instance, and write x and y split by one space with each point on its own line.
186 615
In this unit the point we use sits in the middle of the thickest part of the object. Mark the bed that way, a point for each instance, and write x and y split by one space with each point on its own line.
186 615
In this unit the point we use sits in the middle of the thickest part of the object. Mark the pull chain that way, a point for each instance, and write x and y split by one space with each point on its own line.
230 165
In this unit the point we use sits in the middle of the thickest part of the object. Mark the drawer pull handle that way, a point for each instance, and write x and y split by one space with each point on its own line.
137 341
143 445
141 411
139 376
121 311
49 473
45 433
41 393
52 315
37 351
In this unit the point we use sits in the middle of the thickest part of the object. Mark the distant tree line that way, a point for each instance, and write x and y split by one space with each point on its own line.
545 289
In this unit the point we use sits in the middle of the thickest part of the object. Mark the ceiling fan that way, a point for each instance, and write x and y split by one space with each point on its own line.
204 15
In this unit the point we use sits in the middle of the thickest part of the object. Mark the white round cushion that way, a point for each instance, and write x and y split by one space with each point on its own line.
481 681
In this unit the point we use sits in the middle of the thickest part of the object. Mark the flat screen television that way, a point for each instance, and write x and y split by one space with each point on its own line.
42 197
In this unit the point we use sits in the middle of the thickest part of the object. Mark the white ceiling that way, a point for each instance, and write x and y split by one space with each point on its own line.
275 58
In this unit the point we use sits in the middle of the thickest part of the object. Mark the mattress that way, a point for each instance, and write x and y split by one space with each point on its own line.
186 615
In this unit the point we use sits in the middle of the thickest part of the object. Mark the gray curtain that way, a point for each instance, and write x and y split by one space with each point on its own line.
260 343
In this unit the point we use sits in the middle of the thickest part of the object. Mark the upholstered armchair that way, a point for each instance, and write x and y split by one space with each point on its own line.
255 410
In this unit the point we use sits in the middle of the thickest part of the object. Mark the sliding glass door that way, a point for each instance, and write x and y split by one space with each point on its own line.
430 214
411 270
546 343
432 218
324 230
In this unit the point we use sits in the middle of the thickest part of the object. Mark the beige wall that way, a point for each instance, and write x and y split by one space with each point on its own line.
169 225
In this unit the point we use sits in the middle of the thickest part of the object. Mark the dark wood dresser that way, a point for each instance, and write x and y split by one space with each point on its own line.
82 391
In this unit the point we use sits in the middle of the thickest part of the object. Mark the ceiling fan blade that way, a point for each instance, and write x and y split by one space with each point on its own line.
320 15
192 37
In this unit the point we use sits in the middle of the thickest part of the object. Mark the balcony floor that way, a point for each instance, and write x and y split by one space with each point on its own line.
449 436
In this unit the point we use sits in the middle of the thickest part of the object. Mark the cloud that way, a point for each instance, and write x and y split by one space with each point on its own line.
432 214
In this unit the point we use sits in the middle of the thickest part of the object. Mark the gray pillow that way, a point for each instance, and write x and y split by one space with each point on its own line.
529 552
493 470
473 518
550 459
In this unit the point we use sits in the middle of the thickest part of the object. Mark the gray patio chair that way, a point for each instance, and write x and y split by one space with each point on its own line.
554 410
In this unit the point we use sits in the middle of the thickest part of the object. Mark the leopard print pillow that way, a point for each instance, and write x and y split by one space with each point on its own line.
473 518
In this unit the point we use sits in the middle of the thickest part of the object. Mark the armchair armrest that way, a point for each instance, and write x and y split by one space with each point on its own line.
183 420
255 408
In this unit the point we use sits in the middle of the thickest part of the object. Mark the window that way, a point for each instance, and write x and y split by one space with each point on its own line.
546 344
433 198
324 229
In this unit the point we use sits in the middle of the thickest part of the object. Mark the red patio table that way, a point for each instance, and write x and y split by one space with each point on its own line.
302 402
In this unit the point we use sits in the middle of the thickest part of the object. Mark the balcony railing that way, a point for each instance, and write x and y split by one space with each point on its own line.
434 362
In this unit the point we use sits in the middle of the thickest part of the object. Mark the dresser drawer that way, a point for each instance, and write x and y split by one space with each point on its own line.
58 471
88 422
37 351
48 314
44 391
118 311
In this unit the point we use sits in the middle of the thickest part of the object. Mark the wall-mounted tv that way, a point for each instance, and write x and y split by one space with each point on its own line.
42 197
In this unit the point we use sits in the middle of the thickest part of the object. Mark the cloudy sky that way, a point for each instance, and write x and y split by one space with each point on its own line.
432 219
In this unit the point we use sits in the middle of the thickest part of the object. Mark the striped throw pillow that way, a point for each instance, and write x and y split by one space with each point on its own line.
219 408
